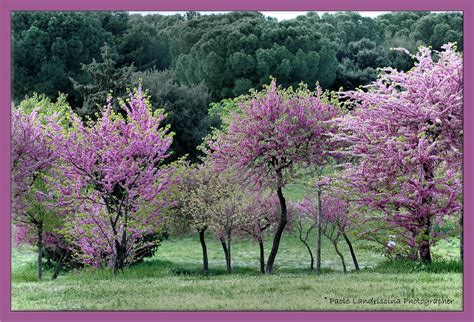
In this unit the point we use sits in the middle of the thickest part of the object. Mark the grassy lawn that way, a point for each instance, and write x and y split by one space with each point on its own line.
172 281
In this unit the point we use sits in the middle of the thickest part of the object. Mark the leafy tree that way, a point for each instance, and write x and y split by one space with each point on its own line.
49 47
276 130
106 78
200 191
144 43
111 172
260 215
186 108
406 133
33 160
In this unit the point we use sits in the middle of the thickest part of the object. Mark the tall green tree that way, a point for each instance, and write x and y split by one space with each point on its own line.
105 77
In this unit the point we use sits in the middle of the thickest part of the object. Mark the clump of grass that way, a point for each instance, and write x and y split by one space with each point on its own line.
410 266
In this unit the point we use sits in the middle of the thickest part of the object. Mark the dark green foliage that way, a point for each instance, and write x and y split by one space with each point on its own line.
145 43
50 47
186 108
230 53
105 78
359 63
211 57
240 50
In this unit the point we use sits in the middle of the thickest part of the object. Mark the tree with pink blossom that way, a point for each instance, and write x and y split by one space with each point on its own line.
32 159
260 214
304 221
273 132
405 135
335 220
110 175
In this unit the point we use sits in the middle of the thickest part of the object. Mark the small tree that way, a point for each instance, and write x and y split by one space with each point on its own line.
202 190
112 170
260 213
32 160
226 214
304 220
274 131
336 222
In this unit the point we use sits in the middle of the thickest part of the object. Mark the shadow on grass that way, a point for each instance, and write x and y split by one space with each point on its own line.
163 268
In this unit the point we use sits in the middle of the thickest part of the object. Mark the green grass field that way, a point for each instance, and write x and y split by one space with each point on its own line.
172 281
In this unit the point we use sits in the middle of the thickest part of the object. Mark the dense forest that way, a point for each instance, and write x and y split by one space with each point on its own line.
188 61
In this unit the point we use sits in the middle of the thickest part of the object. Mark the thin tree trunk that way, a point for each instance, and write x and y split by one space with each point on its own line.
461 245
311 266
278 232
39 228
318 242
425 251
59 265
262 257
118 257
118 250
340 255
354 258
205 261
226 253
229 256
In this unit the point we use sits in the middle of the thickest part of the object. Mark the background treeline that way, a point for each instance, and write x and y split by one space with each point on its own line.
188 61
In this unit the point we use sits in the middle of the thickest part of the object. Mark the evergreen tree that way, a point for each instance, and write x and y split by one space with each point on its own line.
105 77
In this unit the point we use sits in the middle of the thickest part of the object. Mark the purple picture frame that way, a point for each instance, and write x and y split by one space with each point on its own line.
7 6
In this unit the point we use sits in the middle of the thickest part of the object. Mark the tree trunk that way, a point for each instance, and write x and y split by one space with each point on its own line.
354 258
318 241
278 232
39 228
226 253
59 265
425 251
340 255
229 256
262 257
205 261
461 245
119 259
311 265
414 255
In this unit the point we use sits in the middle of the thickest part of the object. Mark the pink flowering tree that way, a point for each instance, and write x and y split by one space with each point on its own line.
335 220
110 175
405 135
34 218
336 223
31 160
303 221
272 133
260 214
